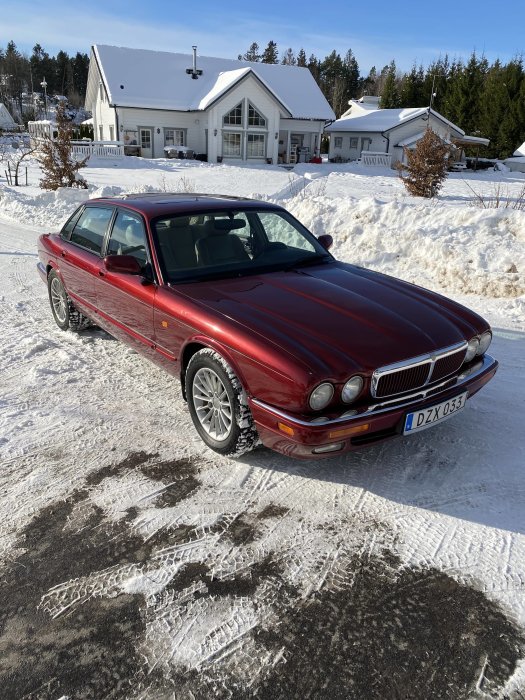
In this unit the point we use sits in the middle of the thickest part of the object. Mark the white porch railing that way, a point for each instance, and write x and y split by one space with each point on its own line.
101 149
376 159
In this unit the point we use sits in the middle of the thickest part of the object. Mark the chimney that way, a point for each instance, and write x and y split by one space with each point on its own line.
194 72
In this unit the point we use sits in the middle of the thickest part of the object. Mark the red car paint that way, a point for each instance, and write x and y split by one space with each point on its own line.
283 331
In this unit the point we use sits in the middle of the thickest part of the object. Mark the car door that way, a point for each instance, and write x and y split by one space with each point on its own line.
126 301
81 254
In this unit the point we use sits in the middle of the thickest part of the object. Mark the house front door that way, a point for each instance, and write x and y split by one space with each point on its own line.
146 141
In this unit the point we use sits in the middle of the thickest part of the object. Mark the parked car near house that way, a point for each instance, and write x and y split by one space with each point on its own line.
273 339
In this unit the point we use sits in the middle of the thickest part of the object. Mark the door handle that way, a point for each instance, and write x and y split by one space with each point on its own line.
102 273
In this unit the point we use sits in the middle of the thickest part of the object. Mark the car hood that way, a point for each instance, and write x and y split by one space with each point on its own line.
338 318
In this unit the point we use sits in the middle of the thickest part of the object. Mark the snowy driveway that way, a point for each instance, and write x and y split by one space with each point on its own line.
135 563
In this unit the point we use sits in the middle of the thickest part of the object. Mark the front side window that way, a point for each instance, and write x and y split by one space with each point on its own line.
234 118
128 236
256 147
231 144
255 118
91 228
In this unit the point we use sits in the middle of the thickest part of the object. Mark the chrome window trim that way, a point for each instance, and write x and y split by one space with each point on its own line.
484 364
430 358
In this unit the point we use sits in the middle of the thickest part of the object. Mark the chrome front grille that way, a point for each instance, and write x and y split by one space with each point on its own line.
418 372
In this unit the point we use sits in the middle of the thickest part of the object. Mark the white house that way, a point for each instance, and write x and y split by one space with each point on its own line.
6 120
365 128
219 108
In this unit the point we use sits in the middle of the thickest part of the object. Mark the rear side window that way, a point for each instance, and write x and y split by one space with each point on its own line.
91 227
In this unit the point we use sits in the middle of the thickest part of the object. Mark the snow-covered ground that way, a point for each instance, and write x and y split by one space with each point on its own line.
161 569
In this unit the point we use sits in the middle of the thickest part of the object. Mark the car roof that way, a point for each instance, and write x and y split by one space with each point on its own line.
161 203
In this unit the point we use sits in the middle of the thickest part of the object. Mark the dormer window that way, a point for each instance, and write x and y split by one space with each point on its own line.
234 118
255 118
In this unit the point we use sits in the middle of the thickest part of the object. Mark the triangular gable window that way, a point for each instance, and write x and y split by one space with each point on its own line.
255 118
234 117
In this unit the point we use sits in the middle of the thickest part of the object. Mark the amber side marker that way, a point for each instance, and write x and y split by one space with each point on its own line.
285 428
345 432
164 324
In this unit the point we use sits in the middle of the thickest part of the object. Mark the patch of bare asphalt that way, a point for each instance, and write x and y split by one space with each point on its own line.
92 651
395 633
389 632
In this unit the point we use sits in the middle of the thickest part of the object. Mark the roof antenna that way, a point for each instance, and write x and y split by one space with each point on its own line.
194 72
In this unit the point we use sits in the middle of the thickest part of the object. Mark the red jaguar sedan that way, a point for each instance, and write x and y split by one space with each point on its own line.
274 340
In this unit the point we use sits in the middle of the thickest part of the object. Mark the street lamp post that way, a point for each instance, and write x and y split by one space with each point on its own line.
44 85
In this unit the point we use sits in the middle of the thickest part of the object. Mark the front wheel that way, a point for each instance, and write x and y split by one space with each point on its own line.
218 405
64 313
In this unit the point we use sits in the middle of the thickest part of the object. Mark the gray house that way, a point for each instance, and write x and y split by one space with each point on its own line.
366 129
229 110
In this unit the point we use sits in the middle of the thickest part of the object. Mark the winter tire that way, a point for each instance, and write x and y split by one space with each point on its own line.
64 313
218 405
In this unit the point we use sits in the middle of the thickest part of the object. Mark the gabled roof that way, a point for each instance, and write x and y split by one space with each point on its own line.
381 120
158 80
520 151
6 120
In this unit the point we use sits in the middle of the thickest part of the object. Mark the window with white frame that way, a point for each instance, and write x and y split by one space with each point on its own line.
231 144
353 142
256 146
338 142
234 117
101 133
111 132
174 137
255 118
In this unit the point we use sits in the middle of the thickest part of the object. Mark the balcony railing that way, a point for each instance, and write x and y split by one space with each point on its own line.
376 159
100 149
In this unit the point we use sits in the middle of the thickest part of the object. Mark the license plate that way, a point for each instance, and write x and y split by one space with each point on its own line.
427 417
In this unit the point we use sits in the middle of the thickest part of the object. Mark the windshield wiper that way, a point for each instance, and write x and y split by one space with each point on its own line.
308 260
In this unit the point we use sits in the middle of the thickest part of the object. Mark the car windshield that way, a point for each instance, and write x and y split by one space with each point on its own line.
233 243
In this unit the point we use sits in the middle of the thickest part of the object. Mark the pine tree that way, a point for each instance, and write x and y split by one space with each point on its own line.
270 54
389 93
411 92
301 58
314 66
59 167
427 166
252 54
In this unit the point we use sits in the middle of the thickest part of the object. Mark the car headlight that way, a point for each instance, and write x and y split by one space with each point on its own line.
321 396
484 342
352 389
472 349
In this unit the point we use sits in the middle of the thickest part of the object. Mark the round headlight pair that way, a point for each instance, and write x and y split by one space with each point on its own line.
322 395
478 345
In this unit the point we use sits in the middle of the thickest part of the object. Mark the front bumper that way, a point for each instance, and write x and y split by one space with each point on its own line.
298 437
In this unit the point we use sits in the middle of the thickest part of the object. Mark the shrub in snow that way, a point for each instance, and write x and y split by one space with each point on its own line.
427 165
59 167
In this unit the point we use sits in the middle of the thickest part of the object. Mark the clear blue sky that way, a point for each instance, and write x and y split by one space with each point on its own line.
377 31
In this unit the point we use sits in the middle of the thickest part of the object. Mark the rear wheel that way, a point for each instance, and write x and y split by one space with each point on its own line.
218 405
64 312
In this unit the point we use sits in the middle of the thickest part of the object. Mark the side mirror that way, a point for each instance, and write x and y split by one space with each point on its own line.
326 241
125 264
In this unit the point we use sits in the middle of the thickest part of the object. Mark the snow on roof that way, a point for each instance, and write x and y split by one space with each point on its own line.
158 80
520 151
385 120
6 120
